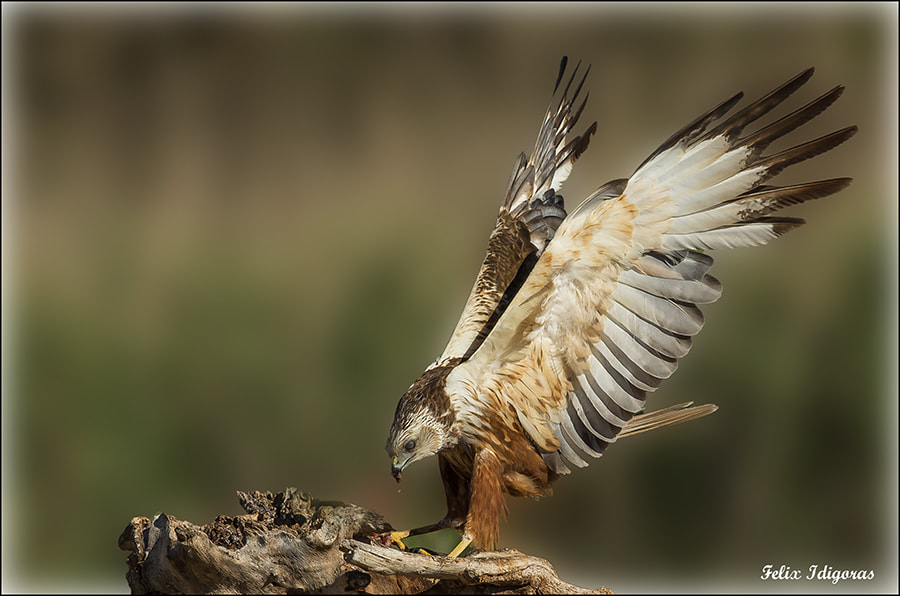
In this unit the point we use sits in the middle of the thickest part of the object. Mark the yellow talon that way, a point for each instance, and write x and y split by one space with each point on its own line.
397 538
466 541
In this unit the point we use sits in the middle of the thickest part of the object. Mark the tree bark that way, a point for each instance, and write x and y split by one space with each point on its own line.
290 543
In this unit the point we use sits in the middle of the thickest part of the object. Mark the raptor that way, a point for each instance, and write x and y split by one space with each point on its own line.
576 316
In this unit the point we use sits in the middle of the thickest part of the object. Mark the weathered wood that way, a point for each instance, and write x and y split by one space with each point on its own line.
506 571
290 542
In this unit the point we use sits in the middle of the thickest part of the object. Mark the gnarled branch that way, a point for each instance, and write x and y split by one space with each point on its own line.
290 542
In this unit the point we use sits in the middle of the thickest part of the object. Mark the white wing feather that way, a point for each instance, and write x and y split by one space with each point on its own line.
610 305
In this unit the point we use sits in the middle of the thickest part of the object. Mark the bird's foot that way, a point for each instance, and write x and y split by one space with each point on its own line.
389 538
397 538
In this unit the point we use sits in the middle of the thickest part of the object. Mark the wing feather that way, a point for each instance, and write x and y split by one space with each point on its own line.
617 394
604 426
755 233
529 217
660 339
684 264
751 206
627 348
702 291
577 436
677 317
610 304
632 371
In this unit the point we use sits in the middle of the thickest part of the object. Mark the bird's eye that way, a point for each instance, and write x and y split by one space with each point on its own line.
410 445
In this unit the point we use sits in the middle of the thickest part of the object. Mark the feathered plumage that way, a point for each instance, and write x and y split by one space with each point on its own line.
575 317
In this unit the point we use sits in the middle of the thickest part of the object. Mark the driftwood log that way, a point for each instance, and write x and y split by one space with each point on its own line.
291 543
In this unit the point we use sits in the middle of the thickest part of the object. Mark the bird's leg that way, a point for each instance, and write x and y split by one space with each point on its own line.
486 504
448 522
456 489
465 542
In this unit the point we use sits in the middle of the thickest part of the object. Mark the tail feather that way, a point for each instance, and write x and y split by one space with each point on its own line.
666 417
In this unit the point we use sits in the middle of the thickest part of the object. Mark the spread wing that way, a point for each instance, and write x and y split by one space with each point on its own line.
529 216
611 304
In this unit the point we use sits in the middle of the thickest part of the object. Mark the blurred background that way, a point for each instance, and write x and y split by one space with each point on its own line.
234 236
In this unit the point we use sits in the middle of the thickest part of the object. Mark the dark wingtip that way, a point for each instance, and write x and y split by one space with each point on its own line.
805 75
783 225
562 69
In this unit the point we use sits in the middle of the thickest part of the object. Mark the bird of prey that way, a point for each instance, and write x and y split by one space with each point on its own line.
576 316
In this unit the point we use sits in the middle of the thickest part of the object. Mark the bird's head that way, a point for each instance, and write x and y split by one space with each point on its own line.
416 438
422 422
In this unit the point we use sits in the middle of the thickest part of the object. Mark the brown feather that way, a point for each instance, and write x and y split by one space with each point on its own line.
487 503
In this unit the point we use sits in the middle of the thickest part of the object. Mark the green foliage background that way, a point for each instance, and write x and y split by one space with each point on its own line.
236 235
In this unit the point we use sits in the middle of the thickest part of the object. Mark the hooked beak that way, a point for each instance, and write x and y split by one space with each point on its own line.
396 469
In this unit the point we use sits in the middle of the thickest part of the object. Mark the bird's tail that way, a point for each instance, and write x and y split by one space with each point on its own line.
665 417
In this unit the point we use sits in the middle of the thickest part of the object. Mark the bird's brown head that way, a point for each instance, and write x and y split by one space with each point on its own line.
422 423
